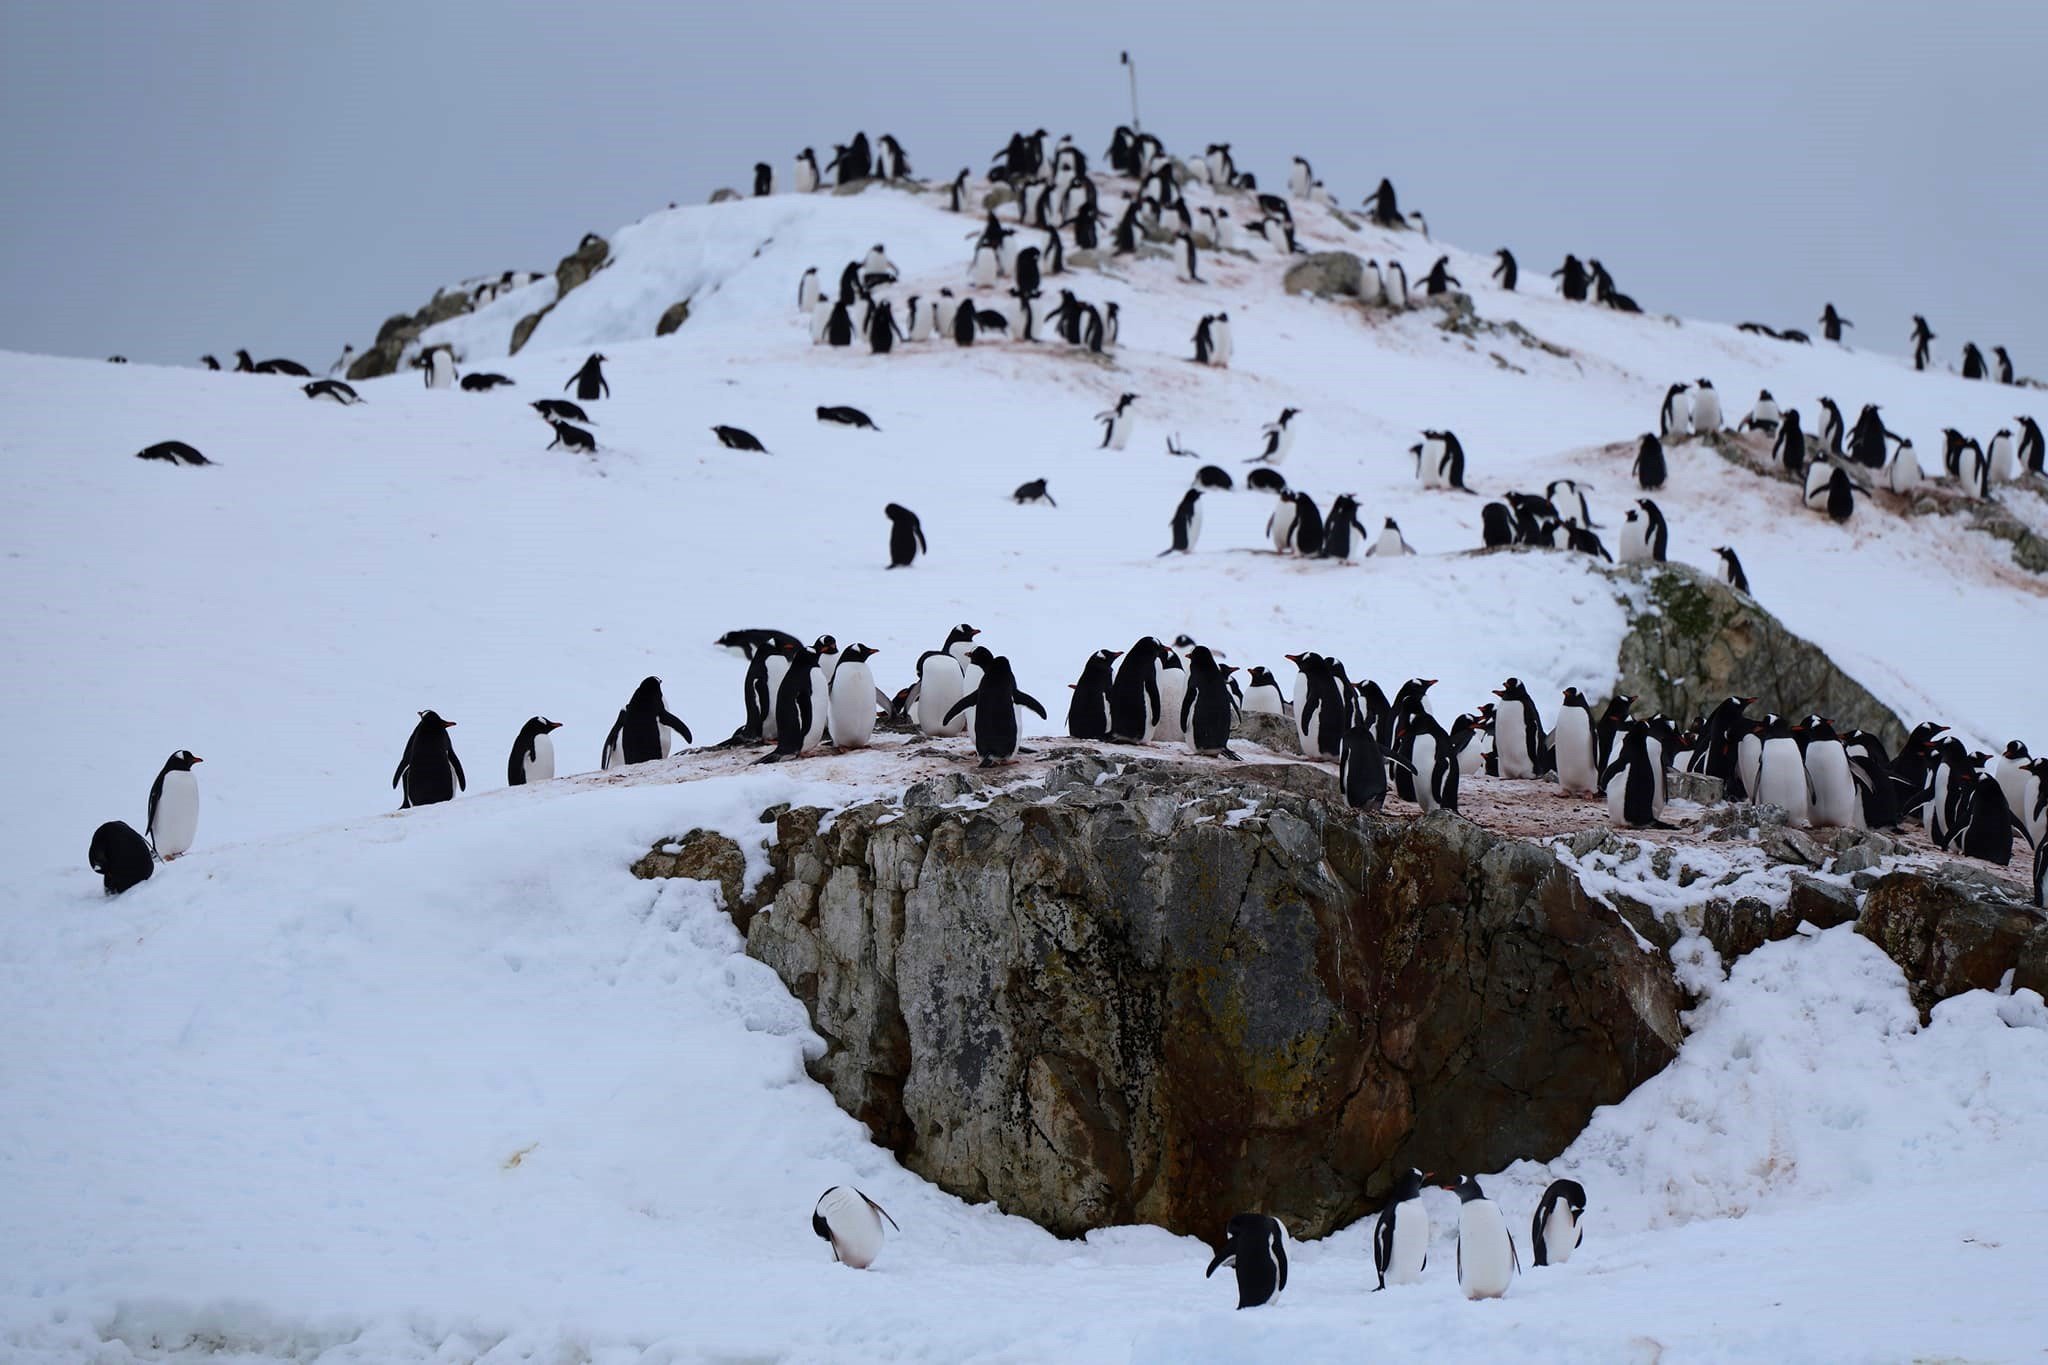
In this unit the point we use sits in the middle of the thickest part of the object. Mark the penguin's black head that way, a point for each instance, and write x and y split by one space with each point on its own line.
430 718
545 725
2015 751
183 760
1466 1188
1393 525
857 654
982 657
1573 697
825 644
961 634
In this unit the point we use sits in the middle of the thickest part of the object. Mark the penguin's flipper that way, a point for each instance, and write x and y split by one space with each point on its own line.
878 1209
971 699
672 723
1025 699
455 764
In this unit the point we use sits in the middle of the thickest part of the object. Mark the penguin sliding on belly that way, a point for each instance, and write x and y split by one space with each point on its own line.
1255 1246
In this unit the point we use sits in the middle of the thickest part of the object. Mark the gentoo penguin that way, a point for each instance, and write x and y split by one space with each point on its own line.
852 698
1213 477
1277 438
1781 778
1267 480
806 176
560 410
1116 423
1173 690
1308 525
1256 1246
1433 755
1034 491
334 390
808 295
1655 531
172 453
2005 374
738 438
1612 722
941 681
1135 704
847 417
1262 696
1340 526
2002 464
1902 470
1947 775
429 768
1987 823
1384 206
1400 1237
1831 429
1187 523
1832 323
1869 439
483 382
1321 706
339 369
1731 569
1219 341
1569 498
2014 774
1207 708
2031 455
1440 461
1834 803
1578 758
1830 489
1789 449
1973 361
890 161
1395 285
1649 468
120 856
1390 544
1497 526
1763 415
852 1224
439 366
1188 257
764 180
1517 730
994 702
291 367
906 536
1487 1259
1440 279
1634 780
1299 178
589 380
533 753
1362 772
640 734
174 806
882 330
571 437
1505 271
803 706
1674 421
1280 525
211 363
1571 279
1372 285
1706 408
1635 538
1555 1232
1879 790
1088 709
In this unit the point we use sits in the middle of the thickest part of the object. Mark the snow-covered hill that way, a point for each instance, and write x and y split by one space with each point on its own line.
270 1102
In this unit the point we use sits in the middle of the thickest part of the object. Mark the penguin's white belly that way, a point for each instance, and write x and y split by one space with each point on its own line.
1411 1244
1560 1234
970 679
853 706
2037 825
939 686
1425 772
856 1228
1706 412
1173 687
1781 779
821 710
777 669
2013 780
540 765
984 272
1119 431
1834 791
177 814
1749 755
1485 1256
1511 741
1281 528
1263 701
1471 758
1575 756
2005 466
1617 798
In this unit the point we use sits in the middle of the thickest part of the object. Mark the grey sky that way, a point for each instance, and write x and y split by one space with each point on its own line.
185 178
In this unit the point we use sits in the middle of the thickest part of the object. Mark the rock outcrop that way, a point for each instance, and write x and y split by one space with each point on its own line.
1949 937
673 317
1147 992
1693 641
1328 273
591 255
401 330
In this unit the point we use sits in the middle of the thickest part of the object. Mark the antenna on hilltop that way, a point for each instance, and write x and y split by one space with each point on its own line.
1125 58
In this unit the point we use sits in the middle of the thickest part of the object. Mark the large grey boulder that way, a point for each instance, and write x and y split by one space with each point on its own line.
1329 273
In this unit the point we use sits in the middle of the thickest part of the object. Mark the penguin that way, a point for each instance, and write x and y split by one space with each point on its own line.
738 438
1781 778
1517 732
1832 323
1390 543
1088 709
994 703
2041 873
1400 1236
803 707
906 536
851 698
1116 423
1300 178
965 324
1576 746
1829 488
1206 709
2005 374
1278 438
847 417
640 734
290 367
1362 773
1674 420
533 753
589 380
1834 804
1034 491
572 438
1134 700
1635 537
808 295
806 178
1187 523
1555 1232
1789 449
438 365
1308 526
890 161
1973 361
1487 1259
1024 270
1446 456
1633 781
1280 525
429 768
1831 429
2030 453
1922 335
941 681
1433 757
1188 257
2001 464
1988 823
1943 783
1763 416
880 326
764 180
1384 207
173 453
174 806
851 1223
560 410
1205 345
120 856
1339 527
1316 689
1877 785
1649 468
338 370
1496 525
1372 285
1395 286
1971 469
334 390
213 364
1706 408
918 319
1255 1245
1731 569
1266 481
1173 690
1505 271
1568 497
2014 773
1440 279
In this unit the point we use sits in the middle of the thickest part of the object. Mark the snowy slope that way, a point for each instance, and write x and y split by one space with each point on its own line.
270 1100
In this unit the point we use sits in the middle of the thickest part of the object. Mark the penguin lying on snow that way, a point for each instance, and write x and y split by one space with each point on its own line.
572 438
172 452
1255 1246
847 417
561 410
483 383
334 390
735 438
120 856
1034 491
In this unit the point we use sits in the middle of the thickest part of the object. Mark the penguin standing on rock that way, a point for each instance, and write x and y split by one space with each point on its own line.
1634 781
1555 1232
906 536
1400 1236
590 382
1255 1245
429 768
995 702
1088 710
1134 699
853 698
1578 758
1487 1260
641 732
802 705
533 753
852 1224
174 806
1362 772
1518 731
1207 708
1505 270
1731 569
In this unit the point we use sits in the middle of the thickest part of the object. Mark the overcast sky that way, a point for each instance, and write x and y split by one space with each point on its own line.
184 177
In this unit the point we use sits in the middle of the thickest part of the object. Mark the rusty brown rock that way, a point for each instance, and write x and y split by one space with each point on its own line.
1946 936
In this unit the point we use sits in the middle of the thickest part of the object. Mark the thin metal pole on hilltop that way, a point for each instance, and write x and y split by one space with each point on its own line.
1125 58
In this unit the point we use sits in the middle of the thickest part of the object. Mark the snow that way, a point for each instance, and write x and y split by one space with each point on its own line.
344 1085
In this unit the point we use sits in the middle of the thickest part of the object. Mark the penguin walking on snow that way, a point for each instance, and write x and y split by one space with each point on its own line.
590 382
1486 1250
174 806
1255 1245
1400 1237
1390 543
120 856
1116 423
1505 270
995 702
906 536
1187 523
334 391
1554 1232
429 768
1278 437
533 753
851 1223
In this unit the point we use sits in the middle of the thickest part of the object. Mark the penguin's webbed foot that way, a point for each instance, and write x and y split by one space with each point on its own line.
987 763
1229 755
